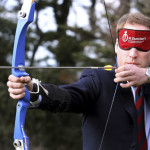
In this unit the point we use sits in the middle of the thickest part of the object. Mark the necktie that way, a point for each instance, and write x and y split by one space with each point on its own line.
141 139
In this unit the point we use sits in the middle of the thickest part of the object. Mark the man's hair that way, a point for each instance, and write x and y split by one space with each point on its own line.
133 18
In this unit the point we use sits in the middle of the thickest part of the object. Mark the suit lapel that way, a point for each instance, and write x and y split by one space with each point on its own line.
126 97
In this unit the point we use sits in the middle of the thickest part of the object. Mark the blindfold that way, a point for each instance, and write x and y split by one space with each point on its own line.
139 39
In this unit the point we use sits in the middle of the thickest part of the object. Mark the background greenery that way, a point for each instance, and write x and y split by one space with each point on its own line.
69 46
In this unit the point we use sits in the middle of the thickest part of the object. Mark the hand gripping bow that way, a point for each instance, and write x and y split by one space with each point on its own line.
26 15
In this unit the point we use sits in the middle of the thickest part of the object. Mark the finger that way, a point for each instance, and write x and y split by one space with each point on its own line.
17 97
123 74
16 91
120 69
124 79
26 79
126 85
124 68
15 85
13 78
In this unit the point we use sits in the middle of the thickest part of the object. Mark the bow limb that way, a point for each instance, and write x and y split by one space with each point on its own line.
26 16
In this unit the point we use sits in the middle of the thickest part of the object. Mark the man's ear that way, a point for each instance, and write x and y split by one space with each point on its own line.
116 46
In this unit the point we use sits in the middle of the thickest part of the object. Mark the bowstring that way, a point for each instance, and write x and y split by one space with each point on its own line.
108 24
114 95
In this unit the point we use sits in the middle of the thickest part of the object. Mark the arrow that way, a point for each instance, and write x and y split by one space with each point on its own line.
22 68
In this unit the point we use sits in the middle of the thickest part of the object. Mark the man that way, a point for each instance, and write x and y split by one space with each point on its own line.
92 95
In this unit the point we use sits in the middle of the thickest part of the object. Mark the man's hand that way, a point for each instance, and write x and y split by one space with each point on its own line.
16 86
134 76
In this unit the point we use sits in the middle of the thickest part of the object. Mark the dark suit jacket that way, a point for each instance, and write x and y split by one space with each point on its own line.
92 96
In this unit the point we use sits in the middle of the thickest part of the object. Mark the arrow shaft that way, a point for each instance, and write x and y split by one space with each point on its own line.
34 67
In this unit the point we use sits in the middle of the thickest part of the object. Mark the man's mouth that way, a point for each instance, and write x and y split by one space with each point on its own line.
133 63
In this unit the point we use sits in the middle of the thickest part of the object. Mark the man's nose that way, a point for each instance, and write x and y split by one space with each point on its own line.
133 52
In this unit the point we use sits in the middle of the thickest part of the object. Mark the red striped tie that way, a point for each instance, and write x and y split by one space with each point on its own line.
141 139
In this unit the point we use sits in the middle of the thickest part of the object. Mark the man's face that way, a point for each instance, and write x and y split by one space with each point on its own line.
133 56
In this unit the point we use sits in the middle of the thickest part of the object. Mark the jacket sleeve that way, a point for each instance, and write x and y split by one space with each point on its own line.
77 97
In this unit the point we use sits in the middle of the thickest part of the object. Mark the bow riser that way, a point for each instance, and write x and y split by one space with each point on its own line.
21 141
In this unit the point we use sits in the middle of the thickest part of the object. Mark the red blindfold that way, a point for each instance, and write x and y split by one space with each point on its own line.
139 39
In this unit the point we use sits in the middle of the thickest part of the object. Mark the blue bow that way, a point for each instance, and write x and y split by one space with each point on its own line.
26 16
